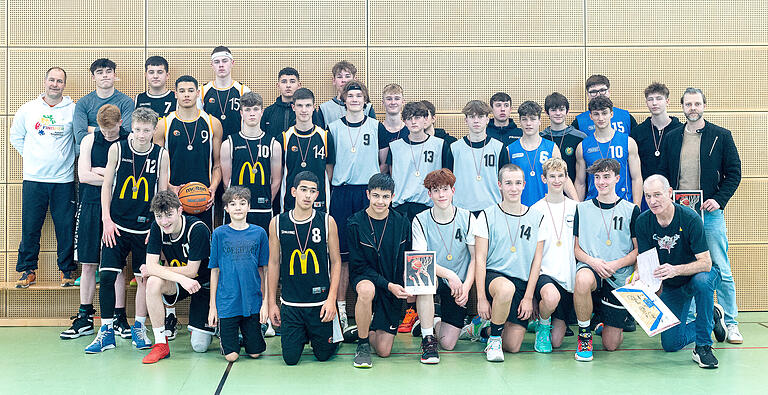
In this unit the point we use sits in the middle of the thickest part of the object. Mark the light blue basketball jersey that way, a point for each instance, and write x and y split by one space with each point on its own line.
535 188
452 235
355 168
506 231
411 162
468 157
617 148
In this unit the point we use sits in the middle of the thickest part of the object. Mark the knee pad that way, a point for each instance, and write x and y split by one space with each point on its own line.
200 341
107 277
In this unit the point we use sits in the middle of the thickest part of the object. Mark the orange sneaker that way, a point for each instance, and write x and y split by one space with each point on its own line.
133 282
27 279
159 351
408 321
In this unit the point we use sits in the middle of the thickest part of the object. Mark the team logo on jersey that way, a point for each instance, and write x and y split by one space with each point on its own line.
516 155
211 100
569 220
135 187
176 133
303 258
176 263
294 149
252 169
593 150
667 242
569 151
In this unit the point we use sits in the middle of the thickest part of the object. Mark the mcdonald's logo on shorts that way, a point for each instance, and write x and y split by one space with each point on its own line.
303 258
176 263
252 172
135 186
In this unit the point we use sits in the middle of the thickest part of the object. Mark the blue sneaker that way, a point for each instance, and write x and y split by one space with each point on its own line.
103 341
584 347
543 338
139 336
599 329
472 331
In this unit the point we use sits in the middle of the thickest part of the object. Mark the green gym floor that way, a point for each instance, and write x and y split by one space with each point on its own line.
36 361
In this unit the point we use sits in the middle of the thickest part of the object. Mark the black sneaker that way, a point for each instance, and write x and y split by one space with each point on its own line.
363 356
704 357
122 327
629 324
568 331
719 329
350 334
429 352
170 326
82 325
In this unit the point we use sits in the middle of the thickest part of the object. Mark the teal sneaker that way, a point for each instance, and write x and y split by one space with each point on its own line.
543 338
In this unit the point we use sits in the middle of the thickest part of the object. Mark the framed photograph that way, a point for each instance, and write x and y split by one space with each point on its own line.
690 198
419 275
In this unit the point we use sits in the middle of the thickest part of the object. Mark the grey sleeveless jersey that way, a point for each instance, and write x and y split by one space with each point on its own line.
355 168
448 239
506 231
333 111
411 162
472 193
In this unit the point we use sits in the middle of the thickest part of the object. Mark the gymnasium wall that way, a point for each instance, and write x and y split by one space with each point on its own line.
448 52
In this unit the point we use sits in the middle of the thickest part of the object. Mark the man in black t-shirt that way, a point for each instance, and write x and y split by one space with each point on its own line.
677 233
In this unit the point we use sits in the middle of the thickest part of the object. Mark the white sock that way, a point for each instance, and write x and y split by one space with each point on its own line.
143 320
342 307
170 310
159 335
583 324
427 332
107 322
545 321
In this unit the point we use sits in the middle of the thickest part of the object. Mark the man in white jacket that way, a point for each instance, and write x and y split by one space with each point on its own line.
42 134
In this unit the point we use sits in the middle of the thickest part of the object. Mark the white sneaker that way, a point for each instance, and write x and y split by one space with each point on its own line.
493 351
734 336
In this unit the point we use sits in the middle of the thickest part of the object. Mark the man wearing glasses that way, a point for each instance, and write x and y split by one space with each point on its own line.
622 121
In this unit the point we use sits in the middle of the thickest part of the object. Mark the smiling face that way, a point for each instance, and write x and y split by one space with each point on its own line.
169 221
380 200
355 100
54 84
605 182
393 103
238 209
511 185
557 115
555 180
442 196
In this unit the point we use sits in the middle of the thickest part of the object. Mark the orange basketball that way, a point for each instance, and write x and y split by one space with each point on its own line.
193 197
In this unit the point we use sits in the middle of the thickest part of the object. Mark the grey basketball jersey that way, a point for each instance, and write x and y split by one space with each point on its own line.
476 191
448 239
357 151
506 231
411 162
598 225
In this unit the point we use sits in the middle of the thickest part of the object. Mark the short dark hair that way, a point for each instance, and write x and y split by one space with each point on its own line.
500 97
343 65
305 175
236 192
414 109
476 107
186 78
556 100
288 71
302 94
164 201
220 48
251 99
156 61
600 102
657 87
605 164
430 107
103 63
381 181
529 108
56 68
354 85
597 79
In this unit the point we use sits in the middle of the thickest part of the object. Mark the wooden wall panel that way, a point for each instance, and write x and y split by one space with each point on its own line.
5 148
748 265
747 211
13 223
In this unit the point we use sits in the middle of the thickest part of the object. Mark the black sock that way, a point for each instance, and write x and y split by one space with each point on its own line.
86 308
362 341
496 329
485 332
410 306
120 312
584 330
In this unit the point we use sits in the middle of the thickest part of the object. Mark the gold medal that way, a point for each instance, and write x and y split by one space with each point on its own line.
223 116
449 257
513 249
189 147
303 164
559 243
135 189
532 173
353 149
417 173
608 242
479 178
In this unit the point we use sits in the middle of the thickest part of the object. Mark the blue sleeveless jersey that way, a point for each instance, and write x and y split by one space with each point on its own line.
535 189
620 122
617 148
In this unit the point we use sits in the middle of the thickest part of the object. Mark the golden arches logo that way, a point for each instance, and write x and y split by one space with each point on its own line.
303 258
252 172
176 263
135 186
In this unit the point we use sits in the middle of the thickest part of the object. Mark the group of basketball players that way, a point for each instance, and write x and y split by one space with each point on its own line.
539 222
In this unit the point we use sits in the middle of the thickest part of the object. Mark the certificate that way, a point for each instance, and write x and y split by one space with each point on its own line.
420 275
690 198
647 308
647 262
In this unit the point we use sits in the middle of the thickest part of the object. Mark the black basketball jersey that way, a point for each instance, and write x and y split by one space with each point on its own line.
162 105
304 266
134 186
305 151
192 244
189 148
251 168
224 104
99 156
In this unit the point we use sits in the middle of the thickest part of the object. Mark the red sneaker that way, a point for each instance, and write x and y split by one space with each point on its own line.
159 351
408 321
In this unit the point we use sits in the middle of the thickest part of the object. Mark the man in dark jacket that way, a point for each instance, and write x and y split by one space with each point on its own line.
702 155
280 116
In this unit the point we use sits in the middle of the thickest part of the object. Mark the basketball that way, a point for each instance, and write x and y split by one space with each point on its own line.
193 197
416 265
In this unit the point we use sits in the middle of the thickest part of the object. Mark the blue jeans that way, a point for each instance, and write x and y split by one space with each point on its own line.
700 288
717 240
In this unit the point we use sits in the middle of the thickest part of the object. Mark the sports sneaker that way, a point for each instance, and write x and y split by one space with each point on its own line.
122 327
408 321
350 335
343 320
472 330
429 353
77 282
568 331
159 351
105 340
67 280
82 325
584 347
493 351
170 326
363 356
133 282
532 324
27 279
139 336
719 329
416 330
267 330
599 329
734 336
629 324
704 357
543 338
